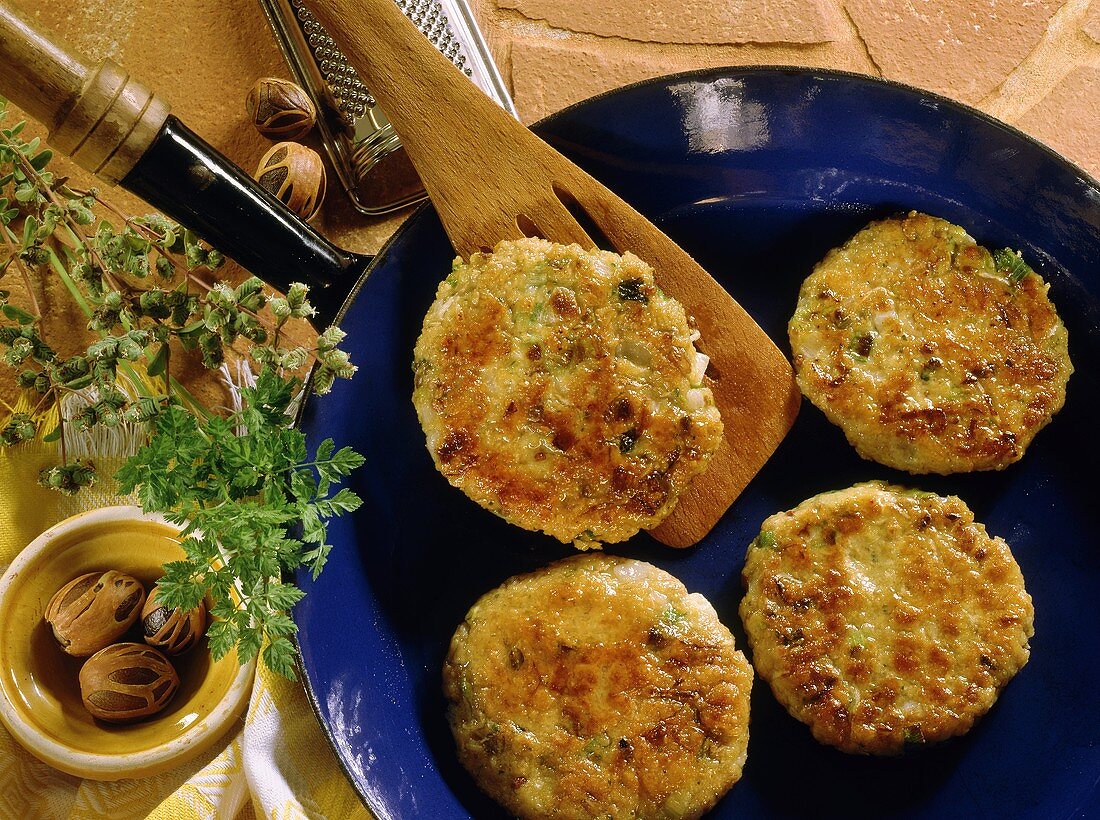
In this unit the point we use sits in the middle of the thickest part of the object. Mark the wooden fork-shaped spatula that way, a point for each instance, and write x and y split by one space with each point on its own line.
490 178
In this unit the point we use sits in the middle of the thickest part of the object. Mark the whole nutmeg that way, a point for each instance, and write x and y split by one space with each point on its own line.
94 610
280 109
126 682
295 175
171 630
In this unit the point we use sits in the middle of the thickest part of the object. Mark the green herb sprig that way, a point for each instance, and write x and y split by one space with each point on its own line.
1012 265
253 504
239 486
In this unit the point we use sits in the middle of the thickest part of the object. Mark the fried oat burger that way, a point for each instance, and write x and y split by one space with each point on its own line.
598 687
884 618
932 355
561 390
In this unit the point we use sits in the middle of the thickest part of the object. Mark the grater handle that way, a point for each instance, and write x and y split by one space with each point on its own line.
405 73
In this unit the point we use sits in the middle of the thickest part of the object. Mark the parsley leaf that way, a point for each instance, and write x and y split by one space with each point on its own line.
251 500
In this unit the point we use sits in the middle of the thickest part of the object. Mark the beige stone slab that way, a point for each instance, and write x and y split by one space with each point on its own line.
1066 119
962 49
548 75
1091 24
1061 49
684 21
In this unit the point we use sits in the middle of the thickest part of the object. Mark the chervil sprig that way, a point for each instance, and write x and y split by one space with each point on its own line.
253 505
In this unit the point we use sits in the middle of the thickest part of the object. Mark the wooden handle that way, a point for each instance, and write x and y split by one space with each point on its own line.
100 116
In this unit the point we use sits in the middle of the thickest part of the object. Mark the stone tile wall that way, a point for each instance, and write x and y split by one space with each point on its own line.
1033 63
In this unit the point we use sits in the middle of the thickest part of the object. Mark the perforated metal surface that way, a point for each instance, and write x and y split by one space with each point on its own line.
350 95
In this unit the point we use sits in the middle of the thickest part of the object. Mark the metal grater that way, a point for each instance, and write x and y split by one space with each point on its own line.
364 149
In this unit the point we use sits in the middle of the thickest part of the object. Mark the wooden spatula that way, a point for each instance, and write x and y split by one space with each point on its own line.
490 178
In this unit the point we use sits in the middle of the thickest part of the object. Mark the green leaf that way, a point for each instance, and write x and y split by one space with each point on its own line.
158 363
80 213
345 501
1012 265
17 314
248 643
303 485
283 596
25 192
279 656
30 230
279 624
325 450
40 160
222 635
316 559
347 460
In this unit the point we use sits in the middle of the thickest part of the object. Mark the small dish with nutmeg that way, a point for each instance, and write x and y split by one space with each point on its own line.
101 680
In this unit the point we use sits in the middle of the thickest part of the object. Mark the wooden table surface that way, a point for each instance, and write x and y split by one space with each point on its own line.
1035 64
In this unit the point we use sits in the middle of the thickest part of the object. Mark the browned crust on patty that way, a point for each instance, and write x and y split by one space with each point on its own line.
598 687
914 342
556 389
884 618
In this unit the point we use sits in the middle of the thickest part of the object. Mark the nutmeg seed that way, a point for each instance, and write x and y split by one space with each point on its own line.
94 610
295 175
126 682
171 630
280 109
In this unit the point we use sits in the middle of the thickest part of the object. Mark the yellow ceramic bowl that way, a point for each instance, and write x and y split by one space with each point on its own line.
39 693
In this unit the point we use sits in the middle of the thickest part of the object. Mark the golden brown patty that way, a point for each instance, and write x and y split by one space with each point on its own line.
562 390
884 618
598 687
931 354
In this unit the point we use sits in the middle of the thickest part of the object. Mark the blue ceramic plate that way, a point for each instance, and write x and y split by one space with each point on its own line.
757 173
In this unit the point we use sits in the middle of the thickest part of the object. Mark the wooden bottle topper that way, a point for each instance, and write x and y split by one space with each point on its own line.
490 178
100 116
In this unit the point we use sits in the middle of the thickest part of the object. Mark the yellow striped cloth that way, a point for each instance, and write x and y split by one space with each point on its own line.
275 763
